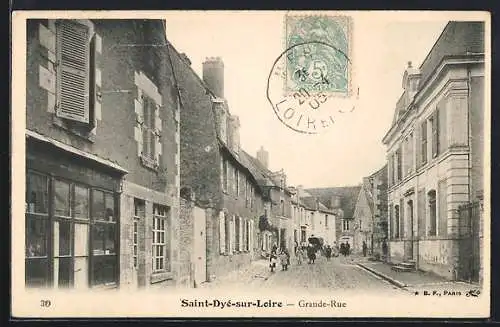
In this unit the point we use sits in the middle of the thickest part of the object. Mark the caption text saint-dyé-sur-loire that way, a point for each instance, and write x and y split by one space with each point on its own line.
259 304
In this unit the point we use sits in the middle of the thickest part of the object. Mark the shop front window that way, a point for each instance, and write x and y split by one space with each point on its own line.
69 233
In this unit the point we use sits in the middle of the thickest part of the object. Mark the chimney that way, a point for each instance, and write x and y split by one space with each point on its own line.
186 58
213 75
263 157
335 202
234 133
411 79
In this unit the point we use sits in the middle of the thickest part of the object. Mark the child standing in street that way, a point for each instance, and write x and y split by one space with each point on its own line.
300 255
284 260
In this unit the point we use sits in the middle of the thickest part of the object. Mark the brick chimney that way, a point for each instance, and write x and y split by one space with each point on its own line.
263 157
213 75
335 202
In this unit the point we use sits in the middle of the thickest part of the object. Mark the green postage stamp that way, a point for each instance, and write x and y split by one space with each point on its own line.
318 49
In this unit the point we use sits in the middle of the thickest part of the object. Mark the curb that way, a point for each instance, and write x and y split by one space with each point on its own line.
383 276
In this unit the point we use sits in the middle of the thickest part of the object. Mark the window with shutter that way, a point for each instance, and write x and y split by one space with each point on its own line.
73 70
400 162
423 145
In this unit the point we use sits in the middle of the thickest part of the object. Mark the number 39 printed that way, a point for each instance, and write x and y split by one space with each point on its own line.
45 303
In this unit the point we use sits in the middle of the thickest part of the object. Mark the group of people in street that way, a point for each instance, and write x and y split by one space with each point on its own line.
302 253
310 251
282 255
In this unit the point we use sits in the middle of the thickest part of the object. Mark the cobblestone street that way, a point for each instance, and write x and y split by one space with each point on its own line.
339 274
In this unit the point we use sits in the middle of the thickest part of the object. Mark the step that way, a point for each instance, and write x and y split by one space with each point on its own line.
407 264
402 268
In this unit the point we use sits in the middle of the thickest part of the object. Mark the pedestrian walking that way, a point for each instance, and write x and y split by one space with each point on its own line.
311 253
342 249
348 248
384 249
365 248
273 258
328 252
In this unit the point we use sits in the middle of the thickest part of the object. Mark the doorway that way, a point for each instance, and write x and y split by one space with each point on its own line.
199 256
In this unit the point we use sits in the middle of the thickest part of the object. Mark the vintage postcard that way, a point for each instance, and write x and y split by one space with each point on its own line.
251 164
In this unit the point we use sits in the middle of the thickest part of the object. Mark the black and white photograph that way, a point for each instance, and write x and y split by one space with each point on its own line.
251 164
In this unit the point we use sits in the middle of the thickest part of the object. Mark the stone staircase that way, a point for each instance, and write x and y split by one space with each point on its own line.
405 266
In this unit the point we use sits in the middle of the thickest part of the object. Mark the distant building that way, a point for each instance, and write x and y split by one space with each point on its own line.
370 213
435 157
102 149
341 201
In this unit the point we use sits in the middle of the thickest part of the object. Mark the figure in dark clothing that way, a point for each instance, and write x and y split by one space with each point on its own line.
365 248
311 253
348 248
273 258
342 249
328 252
384 248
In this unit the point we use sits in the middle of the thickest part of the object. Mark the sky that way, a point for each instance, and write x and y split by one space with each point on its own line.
249 43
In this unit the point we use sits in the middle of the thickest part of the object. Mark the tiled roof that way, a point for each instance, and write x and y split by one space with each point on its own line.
348 196
310 202
261 173
457 38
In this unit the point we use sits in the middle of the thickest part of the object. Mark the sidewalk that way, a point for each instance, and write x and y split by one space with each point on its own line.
416 280
249 276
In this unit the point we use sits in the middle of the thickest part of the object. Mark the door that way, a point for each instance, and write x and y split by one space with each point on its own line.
408 244
199 256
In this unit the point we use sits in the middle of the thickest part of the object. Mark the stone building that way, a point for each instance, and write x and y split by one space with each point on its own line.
370 213
341 201
102 155
435 156
320 220
275 225
214 167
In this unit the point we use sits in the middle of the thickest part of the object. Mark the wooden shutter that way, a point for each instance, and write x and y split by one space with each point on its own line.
222 232
417 144
423 144
233 234
240 226
251 235
435 135
73 49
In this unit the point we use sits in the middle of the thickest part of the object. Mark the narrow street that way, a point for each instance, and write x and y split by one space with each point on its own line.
338 274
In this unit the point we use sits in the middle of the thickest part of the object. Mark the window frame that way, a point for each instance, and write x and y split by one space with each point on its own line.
432 204
159 244
51 218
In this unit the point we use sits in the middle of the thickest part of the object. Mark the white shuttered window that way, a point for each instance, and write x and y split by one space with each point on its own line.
73 67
